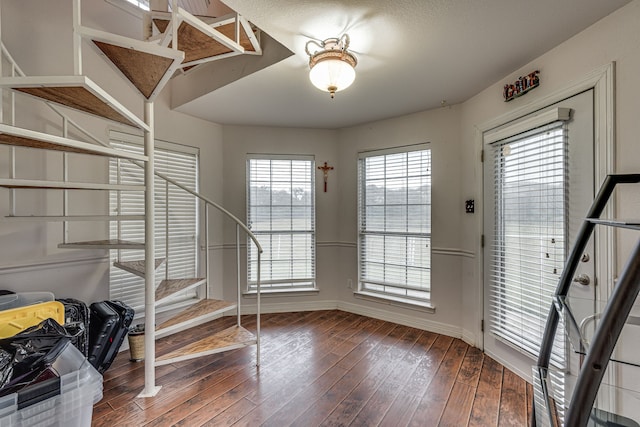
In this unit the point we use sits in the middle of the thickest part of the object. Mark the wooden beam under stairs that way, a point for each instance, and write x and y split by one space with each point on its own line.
19 137
103 244
76 92
228 339
169 287
136 267
147 66
200 312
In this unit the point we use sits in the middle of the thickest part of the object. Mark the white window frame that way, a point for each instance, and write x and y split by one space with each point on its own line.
126 286
293 283
418 295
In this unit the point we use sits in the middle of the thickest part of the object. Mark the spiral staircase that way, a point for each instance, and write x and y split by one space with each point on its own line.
178 42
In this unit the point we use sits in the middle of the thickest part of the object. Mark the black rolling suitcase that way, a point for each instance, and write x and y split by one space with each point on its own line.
76 323
109 324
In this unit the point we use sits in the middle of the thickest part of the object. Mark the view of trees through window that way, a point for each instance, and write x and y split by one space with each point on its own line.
281 213
395 223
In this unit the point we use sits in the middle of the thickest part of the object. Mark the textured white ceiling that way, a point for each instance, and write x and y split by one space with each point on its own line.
412 54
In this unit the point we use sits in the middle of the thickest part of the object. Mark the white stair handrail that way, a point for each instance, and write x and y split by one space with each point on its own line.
215 205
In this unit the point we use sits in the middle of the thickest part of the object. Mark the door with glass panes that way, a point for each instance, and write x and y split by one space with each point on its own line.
538 186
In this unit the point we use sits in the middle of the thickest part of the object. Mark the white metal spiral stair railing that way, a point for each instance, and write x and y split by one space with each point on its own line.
52 90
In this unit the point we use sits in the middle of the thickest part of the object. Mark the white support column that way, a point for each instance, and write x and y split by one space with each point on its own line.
12 150
258 308
174 24
150 388
77 39
237 40
239 296
119 206
206 250
65 178
166 230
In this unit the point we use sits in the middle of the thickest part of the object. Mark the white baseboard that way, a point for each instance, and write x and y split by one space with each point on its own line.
376 313
401 319
469 337
286 307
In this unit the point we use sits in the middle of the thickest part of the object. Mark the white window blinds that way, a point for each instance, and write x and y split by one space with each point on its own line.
528 245
176 224
394 219
281 213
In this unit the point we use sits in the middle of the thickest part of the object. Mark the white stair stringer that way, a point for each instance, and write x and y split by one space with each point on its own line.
103 244
85 218
19 137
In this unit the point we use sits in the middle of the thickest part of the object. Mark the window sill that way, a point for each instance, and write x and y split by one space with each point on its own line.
282 293
426 307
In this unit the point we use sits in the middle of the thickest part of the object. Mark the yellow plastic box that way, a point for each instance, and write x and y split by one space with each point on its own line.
17 320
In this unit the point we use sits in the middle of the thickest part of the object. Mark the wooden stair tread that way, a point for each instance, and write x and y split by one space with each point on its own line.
56 218
147 66
11 135
103 244
228 339
65 185
202 310
168 287
136 267
144 70
76 92
198 45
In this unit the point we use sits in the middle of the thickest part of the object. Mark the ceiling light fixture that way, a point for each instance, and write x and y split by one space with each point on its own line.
332 65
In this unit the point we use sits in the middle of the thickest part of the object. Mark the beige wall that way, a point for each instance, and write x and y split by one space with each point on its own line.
439 128
336 209
242 140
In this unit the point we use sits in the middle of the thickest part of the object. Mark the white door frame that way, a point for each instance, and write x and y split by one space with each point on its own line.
601 80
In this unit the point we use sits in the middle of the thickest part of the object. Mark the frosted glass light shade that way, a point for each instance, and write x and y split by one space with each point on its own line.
332 75
333 66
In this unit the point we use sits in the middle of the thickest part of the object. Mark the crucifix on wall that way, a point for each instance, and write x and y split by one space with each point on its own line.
325 171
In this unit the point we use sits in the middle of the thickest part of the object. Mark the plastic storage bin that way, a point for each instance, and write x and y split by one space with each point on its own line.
66 401
21 299
16 320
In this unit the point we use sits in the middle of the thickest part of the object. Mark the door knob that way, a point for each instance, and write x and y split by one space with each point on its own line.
583 279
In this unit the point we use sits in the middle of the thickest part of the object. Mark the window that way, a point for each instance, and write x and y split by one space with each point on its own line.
176 227
528 245
281 213
394 223
142 4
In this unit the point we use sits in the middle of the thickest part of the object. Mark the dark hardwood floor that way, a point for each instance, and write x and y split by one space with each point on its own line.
328 368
